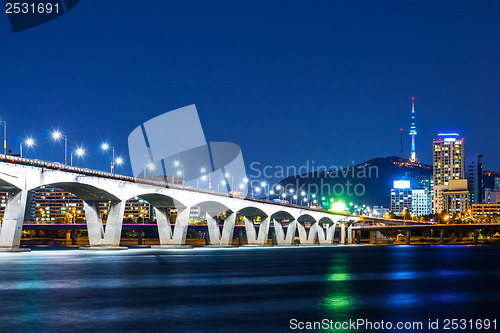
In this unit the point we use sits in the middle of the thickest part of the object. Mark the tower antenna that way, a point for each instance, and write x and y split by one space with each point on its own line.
401 155
413 132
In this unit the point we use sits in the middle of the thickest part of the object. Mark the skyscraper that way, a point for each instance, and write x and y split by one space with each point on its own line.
474 175
413 132
448 164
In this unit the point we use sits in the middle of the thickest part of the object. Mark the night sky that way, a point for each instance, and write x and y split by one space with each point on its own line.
288 81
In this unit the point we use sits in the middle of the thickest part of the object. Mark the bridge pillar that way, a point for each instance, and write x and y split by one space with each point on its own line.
374 237
476 236
170 238
349 234
226 238
12 224
441 236
100 238
342 233
73 237
308 238
281 238
252 237
408 236
358 236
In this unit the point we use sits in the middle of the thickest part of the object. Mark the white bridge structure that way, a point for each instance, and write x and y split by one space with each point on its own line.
20 175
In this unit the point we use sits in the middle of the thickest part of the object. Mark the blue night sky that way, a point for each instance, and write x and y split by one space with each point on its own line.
288 81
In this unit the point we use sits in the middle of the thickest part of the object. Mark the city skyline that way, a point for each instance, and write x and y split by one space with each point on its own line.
353 78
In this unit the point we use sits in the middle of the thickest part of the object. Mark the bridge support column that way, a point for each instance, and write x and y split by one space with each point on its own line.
358 236
408 236
349 234
281 238
100 238
326 234
308 238
342 233
252 237
226 238
169 238
441 236
73 237
12 224
374 237
476 236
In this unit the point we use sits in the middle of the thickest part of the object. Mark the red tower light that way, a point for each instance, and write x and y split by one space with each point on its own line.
413 98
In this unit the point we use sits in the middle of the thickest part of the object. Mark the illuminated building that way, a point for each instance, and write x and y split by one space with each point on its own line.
401 198
484 209
448 164
455 197
491 196
413 132
54 205
421 202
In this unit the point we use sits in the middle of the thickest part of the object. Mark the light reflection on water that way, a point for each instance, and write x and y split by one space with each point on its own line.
242 289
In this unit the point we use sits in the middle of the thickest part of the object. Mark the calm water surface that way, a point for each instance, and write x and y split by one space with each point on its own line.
244 289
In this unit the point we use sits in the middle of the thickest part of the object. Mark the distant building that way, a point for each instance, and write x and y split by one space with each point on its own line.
497 183
448 164
401 199
53 205
379 211
483 210
455 199
474 176
421 203
197 213
491 196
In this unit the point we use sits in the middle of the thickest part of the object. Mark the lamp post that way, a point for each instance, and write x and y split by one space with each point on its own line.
105 147
79 153
119 160
264 184
179 164
28 143
57 135
4 136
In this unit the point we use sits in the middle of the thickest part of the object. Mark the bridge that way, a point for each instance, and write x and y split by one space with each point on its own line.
20 175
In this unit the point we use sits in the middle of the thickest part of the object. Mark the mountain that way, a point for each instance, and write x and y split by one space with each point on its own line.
367 183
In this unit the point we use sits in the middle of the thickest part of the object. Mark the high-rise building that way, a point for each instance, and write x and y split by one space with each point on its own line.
401 199
474 176
413 132
420 202
497 183
448 164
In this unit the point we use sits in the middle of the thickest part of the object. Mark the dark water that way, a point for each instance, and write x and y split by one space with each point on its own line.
245 289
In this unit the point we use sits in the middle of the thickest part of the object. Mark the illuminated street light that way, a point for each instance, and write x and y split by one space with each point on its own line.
57 135
79 152
29 142
105 147
119 160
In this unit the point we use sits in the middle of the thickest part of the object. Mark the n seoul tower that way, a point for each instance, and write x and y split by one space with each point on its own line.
413 132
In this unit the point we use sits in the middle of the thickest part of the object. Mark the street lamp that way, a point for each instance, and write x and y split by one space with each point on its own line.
57 135
28 143
105 147
119 160
4 136
264 184
204 177
79 153
179 164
